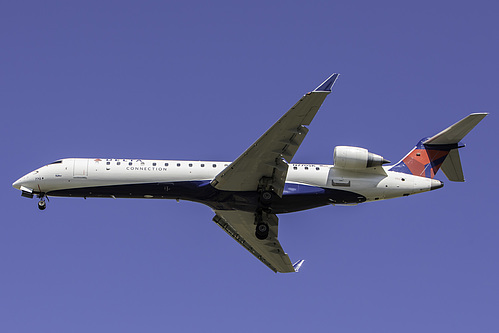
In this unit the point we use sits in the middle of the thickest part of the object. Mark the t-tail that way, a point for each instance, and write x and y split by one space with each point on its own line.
440 151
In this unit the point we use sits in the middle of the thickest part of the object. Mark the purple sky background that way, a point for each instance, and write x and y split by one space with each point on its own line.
202 81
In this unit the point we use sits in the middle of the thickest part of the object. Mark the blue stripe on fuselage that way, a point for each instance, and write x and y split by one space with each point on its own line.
295 197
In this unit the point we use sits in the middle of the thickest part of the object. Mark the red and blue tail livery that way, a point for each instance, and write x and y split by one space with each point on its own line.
439 151
424 160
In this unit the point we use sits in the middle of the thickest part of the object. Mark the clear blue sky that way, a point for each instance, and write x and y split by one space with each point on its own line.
203 80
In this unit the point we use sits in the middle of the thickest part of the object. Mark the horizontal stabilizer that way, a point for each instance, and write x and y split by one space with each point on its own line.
456 132
452 167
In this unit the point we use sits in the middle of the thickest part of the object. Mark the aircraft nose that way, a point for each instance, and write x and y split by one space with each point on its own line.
20 182
17 184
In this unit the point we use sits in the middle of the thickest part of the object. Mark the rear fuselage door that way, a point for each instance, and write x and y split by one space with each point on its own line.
80 168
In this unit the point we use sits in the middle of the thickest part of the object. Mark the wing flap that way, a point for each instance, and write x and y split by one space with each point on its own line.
240 226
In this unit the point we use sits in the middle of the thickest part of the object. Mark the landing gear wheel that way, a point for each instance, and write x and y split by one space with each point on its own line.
266 197
262 231
42 205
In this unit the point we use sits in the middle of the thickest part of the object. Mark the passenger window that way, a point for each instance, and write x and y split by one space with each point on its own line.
178 164
154 164
317 168
202 165
130 163
107 163
190 165
306 168
214 165
166 164
295 168
118 163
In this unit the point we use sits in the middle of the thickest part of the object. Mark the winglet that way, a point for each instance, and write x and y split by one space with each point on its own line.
297 265
328 84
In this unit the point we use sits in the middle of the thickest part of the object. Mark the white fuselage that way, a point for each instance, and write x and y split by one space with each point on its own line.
60 177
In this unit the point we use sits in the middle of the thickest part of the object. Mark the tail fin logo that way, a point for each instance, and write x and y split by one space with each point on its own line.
430 153
423 161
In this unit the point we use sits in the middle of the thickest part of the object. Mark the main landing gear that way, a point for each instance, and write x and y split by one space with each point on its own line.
266 198
262 230
263 216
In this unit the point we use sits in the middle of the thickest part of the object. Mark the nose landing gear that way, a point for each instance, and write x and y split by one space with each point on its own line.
42 204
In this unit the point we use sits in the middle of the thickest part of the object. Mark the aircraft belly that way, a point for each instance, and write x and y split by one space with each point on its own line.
157 190
296 197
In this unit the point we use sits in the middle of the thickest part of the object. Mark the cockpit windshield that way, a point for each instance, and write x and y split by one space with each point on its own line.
56 162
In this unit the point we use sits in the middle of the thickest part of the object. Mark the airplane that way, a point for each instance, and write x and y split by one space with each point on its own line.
247 194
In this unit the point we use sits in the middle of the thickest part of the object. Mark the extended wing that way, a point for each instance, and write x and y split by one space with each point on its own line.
240 226
264 163
263 167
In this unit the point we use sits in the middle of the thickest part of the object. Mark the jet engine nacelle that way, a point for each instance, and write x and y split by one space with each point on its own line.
346 157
